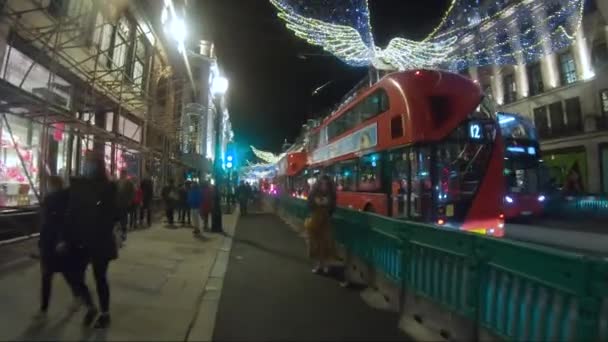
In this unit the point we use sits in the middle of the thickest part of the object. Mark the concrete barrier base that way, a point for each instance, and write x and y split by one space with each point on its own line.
422 316
390 291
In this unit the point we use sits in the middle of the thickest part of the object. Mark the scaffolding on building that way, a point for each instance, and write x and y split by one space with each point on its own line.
62 45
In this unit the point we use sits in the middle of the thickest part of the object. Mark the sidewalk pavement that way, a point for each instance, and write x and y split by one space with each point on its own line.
165 286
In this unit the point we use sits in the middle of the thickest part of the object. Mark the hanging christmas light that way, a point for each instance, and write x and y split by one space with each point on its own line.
266 156
468 34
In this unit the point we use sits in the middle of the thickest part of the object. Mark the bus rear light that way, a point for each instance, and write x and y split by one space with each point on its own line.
440 222
501 216
417 73
501 225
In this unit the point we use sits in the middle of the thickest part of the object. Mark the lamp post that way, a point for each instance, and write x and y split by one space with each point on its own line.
218 89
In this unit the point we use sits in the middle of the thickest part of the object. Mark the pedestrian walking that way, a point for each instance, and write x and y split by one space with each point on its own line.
243 193
134 222
194 204
206 203
321 203
55 255
91 214
170 197
147 190
184 210
124 201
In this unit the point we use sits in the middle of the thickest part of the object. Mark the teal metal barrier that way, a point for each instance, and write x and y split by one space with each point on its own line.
511 290
576 207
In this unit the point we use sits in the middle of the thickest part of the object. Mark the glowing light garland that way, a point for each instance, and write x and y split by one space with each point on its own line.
468 34
266 156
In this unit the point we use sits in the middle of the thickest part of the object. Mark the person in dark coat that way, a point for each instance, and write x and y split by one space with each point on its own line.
147 189
91 215
184 210
170 197
55 255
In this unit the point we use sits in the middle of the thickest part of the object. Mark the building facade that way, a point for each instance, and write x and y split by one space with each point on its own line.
78 77
200 110
565 93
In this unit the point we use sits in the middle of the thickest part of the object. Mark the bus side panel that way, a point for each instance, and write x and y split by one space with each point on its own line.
375 202
485 209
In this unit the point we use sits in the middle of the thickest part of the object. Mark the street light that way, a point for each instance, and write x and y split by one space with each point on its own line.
219 86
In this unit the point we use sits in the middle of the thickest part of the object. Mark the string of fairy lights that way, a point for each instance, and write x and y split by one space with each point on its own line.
468 34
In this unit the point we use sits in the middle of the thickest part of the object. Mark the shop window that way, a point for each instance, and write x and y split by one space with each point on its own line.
19 159
541 121
510 88
599 55
346 176
573 115
369 174
567 68
556 113
535 79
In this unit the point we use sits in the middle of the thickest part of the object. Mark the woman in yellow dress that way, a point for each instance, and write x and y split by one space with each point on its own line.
321 202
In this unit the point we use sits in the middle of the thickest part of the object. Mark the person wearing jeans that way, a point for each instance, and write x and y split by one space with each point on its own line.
194 203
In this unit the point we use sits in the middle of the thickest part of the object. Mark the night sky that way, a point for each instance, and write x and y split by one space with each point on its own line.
271 82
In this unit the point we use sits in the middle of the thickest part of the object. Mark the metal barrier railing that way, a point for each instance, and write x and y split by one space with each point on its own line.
503 289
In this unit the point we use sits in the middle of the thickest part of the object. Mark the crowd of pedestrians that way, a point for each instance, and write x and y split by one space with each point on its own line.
78 230
193 203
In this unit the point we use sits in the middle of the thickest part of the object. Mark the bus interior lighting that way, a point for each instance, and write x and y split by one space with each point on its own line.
506 120
501 216
516 149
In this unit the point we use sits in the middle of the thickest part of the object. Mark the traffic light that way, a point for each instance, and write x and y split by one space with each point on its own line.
229 165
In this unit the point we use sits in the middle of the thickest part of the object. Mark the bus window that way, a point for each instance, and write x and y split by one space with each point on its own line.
346 176
400 182
370 174
421 196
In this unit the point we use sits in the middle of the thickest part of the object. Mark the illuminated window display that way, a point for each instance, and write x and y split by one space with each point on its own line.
19 156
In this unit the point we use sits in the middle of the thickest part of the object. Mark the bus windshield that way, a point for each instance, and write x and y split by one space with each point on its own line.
522 175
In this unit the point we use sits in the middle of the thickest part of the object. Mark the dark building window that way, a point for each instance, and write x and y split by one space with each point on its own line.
535 79
541 122
57 8
573 115
509 87
599 55
604 100
556 112
567 68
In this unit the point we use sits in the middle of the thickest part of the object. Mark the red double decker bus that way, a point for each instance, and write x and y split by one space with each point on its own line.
419 145
524 173
288 167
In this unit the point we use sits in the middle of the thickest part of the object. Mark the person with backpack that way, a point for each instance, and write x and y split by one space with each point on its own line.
90 218
124 201
170 197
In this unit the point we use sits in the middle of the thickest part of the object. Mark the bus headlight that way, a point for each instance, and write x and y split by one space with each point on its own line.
541 198
509 199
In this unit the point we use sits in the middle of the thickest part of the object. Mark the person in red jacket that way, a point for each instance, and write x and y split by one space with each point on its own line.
206 203
137 202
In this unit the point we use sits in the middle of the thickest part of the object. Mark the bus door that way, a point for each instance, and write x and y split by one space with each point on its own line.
400 183
421 198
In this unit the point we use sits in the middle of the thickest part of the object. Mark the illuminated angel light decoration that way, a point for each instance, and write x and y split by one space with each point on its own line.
469 33
266 156
347 34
